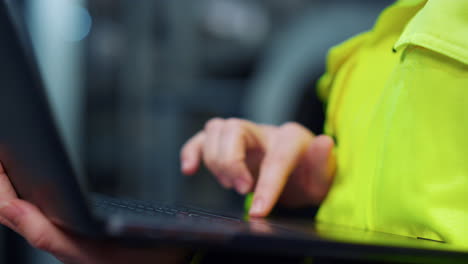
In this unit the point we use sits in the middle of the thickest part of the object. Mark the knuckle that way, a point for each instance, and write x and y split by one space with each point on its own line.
17 220
41 241
213 123
235 130
230 164
234 122
292 127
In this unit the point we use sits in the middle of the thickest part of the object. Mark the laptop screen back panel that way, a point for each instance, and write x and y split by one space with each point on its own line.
30 147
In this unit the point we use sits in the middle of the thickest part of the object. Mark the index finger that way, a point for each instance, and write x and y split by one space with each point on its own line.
190 155
280 160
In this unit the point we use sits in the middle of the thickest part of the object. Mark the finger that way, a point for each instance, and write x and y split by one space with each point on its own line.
191 153
30 223
235 139
7 192
2 169
321 159
211 157
325 165
312 178
281 158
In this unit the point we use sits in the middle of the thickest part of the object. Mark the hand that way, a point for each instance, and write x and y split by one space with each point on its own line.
28 221
288 163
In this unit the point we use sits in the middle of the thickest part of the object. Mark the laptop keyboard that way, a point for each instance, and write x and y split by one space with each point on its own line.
108 205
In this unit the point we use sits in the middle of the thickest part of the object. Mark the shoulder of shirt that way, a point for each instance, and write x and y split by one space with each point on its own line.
441 26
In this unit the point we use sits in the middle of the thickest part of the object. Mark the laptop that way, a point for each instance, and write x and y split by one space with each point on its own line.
41 172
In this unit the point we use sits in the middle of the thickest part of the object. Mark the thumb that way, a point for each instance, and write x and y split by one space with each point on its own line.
311 180
319 166
29 222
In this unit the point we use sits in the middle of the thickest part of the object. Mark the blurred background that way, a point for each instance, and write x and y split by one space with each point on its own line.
131 81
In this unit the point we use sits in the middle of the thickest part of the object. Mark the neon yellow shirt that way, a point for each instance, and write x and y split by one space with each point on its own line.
400 119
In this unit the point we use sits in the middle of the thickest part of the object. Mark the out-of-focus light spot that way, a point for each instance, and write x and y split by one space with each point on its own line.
82 23
59 20
244 22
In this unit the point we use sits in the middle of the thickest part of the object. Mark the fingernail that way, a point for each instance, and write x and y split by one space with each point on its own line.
241 186
257 207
